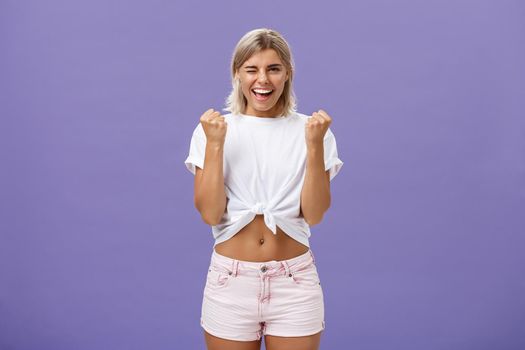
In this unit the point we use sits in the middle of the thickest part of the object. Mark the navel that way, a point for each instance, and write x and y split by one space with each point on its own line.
261 241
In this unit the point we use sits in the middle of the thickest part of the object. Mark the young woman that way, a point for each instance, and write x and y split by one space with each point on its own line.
262 178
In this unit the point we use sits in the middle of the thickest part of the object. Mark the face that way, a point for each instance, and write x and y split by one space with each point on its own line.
262 79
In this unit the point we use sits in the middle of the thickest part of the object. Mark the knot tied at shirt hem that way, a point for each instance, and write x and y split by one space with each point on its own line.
260 209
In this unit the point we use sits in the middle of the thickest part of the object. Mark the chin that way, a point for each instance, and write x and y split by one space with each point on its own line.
263 109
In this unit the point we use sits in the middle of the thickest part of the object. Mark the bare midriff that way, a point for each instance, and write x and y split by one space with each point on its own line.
256 242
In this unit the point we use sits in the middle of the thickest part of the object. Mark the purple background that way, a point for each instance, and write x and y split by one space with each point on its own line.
102 248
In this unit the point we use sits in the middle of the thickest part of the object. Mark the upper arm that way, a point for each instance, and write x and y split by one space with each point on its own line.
327 172
196 183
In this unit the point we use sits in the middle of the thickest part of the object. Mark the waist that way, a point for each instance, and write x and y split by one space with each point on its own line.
256 268
255 242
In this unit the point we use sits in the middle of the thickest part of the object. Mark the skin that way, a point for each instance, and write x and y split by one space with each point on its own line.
262 70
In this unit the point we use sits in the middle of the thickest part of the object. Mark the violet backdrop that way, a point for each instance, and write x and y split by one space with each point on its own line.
102 248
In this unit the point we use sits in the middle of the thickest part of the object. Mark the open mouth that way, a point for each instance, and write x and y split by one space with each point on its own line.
262 94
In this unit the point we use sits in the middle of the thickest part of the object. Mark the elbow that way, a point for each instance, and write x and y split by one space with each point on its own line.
211 220
211 215
314 218
311 221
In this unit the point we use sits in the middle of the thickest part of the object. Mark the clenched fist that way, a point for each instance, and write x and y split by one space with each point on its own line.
316 127
214 126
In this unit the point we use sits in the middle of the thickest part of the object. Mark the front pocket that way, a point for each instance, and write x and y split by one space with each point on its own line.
217 279
306 277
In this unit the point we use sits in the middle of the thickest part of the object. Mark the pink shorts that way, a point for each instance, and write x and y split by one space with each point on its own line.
245 300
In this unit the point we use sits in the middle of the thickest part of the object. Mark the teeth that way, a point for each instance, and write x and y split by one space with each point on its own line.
261 91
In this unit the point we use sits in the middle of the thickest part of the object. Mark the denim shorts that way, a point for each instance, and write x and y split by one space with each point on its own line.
245 300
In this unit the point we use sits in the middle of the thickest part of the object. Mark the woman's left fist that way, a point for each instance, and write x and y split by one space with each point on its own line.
316 127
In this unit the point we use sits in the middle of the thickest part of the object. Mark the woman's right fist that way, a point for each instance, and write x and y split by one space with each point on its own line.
214 126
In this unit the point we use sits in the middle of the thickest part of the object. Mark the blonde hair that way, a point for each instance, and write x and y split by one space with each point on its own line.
251 43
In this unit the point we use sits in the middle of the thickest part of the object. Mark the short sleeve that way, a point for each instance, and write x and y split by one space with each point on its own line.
331 158
197 149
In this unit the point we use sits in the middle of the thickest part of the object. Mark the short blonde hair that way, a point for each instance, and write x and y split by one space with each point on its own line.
251 43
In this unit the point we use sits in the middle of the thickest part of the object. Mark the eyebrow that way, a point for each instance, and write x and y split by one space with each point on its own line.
270 66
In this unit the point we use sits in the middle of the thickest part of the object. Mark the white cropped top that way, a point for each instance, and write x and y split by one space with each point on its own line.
264 166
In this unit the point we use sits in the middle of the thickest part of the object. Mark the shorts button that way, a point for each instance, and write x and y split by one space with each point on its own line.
264 268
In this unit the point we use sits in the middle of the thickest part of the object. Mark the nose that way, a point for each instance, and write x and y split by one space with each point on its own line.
263 78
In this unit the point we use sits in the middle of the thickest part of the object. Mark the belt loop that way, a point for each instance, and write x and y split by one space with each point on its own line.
286 268
235 267
312 255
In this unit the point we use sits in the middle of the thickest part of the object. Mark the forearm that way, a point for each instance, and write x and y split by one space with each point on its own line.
315 194
210 196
